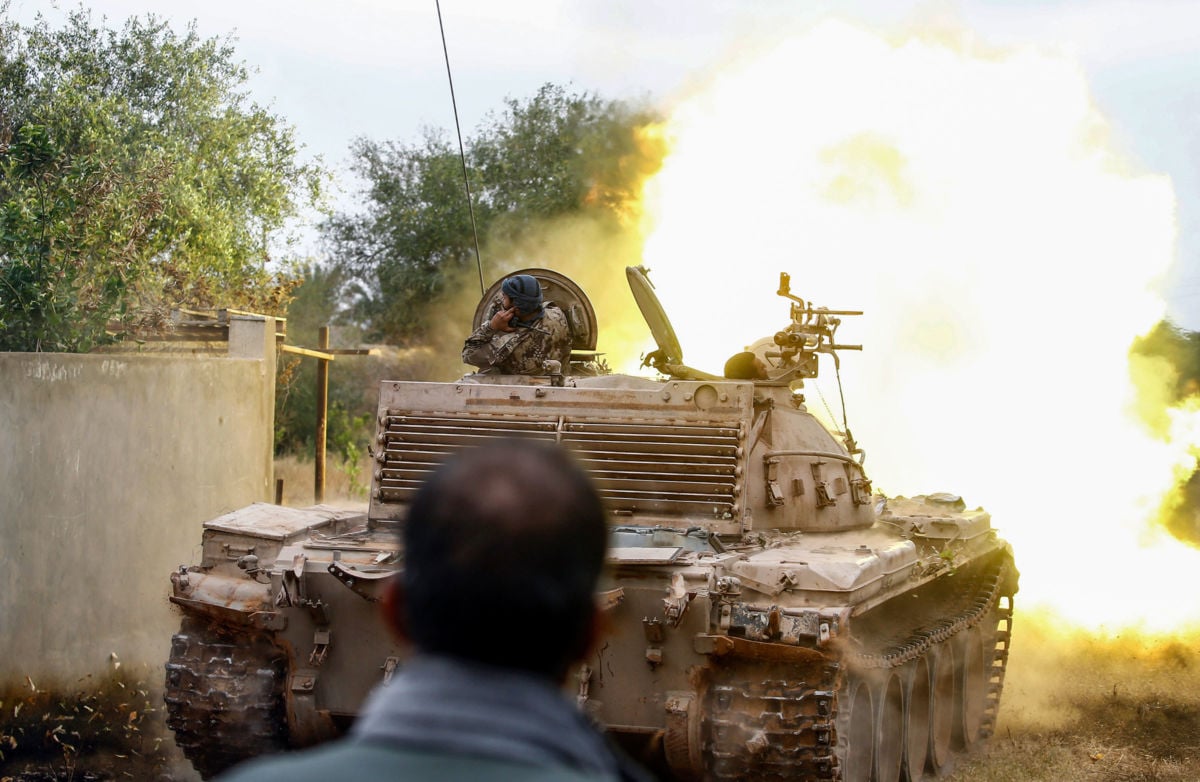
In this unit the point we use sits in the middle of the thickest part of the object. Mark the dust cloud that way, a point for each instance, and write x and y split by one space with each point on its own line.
1165 368
1080 704
1060 674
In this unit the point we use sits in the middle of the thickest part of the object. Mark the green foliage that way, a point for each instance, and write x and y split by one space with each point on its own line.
1179 512
353 380
313 306
348 424
351 400
68 228
558 153
347 431
555 154
136 174
345 436
1181 348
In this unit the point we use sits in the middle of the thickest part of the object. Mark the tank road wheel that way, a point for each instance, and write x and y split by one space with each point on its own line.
856 730
916 720
943 705
224 695
889 727
972 687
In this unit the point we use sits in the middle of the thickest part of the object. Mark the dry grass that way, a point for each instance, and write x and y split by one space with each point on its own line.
1084 706
342 487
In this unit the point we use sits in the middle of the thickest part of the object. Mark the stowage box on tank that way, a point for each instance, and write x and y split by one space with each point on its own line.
770 616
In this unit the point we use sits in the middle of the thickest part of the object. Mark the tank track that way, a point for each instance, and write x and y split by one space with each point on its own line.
775 725
224 695
1002 640
780 721
981 595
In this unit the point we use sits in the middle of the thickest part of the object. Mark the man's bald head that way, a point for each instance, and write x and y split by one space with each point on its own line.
503 546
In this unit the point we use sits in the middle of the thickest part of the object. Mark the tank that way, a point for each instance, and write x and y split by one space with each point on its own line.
769 616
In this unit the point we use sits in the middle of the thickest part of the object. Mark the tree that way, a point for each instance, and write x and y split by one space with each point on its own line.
1170 354
137 174
312 307
353 380
61 217
1181 349
554 154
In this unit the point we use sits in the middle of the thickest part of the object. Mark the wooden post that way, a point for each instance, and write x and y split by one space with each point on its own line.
279 491
322 418
323 357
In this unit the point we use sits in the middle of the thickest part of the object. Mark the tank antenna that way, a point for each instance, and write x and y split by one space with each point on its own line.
851 446
461 151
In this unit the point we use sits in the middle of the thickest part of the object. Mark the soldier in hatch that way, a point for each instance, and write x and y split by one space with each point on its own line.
522 333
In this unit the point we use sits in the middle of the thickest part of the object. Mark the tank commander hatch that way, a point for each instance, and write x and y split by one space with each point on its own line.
522 333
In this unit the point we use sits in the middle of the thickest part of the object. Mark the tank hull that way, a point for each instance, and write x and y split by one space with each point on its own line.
739 646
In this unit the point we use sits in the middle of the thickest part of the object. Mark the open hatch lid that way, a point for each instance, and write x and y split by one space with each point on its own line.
558 288
655 315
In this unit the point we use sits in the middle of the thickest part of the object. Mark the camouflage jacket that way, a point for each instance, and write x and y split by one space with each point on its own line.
520 352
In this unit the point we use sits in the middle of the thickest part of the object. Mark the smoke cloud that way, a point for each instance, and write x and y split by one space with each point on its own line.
1007 255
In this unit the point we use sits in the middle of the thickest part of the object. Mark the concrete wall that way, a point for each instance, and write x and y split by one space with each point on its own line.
109 464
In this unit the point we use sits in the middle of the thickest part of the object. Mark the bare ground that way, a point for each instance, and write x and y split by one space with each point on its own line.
101 727
1102 708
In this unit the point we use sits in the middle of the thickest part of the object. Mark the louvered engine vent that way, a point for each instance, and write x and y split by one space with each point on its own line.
639 467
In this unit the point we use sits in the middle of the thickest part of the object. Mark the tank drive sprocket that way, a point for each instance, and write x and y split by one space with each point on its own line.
224 695
773 721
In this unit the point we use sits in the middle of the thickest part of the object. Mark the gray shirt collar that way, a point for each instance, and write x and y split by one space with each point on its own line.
441 704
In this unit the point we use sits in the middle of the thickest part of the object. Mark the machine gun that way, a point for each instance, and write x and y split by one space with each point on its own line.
812 331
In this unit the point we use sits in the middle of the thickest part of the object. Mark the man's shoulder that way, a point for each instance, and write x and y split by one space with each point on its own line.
555 316
377 761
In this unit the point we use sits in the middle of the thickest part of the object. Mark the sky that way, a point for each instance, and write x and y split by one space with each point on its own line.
375 67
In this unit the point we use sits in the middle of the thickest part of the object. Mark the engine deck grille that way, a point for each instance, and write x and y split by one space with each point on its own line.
638 467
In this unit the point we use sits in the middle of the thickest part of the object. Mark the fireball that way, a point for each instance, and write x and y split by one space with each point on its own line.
1007 255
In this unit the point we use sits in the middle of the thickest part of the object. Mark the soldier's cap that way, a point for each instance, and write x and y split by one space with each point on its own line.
525 293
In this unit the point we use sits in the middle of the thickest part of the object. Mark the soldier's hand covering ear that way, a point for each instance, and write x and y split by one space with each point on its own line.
500 321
